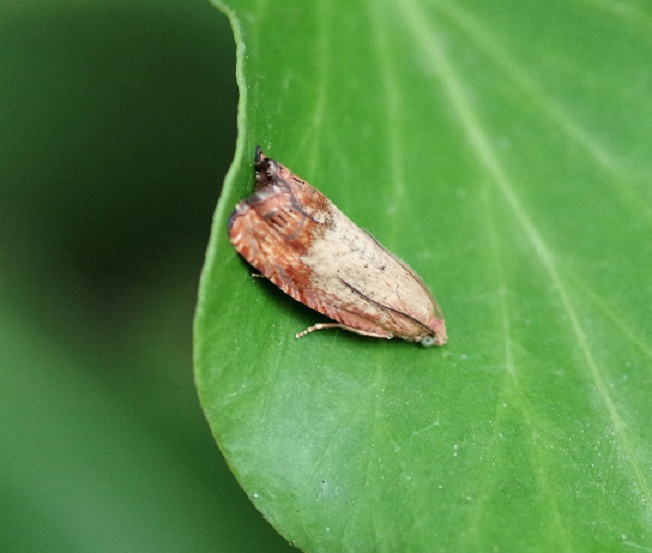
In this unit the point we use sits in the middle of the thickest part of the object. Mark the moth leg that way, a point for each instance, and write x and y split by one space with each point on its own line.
322 326
319 326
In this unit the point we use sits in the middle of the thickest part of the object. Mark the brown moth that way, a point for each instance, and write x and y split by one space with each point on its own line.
297 238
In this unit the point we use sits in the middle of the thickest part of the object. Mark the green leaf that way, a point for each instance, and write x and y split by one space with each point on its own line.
503 150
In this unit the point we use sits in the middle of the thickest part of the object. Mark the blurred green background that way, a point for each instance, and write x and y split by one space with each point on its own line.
118 125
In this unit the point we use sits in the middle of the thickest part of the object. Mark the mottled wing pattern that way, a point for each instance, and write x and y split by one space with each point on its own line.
297 238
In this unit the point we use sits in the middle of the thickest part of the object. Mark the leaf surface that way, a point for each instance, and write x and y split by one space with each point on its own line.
502 150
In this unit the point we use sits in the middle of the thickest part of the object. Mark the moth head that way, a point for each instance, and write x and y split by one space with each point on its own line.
427 341
438 336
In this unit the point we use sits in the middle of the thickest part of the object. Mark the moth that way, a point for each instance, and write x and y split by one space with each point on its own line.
296 237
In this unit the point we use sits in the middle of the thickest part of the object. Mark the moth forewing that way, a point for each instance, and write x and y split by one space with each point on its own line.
296 237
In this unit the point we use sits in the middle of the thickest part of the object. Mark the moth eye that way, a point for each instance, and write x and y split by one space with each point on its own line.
427 341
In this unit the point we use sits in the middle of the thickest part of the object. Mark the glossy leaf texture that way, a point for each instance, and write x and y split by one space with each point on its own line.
503 150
